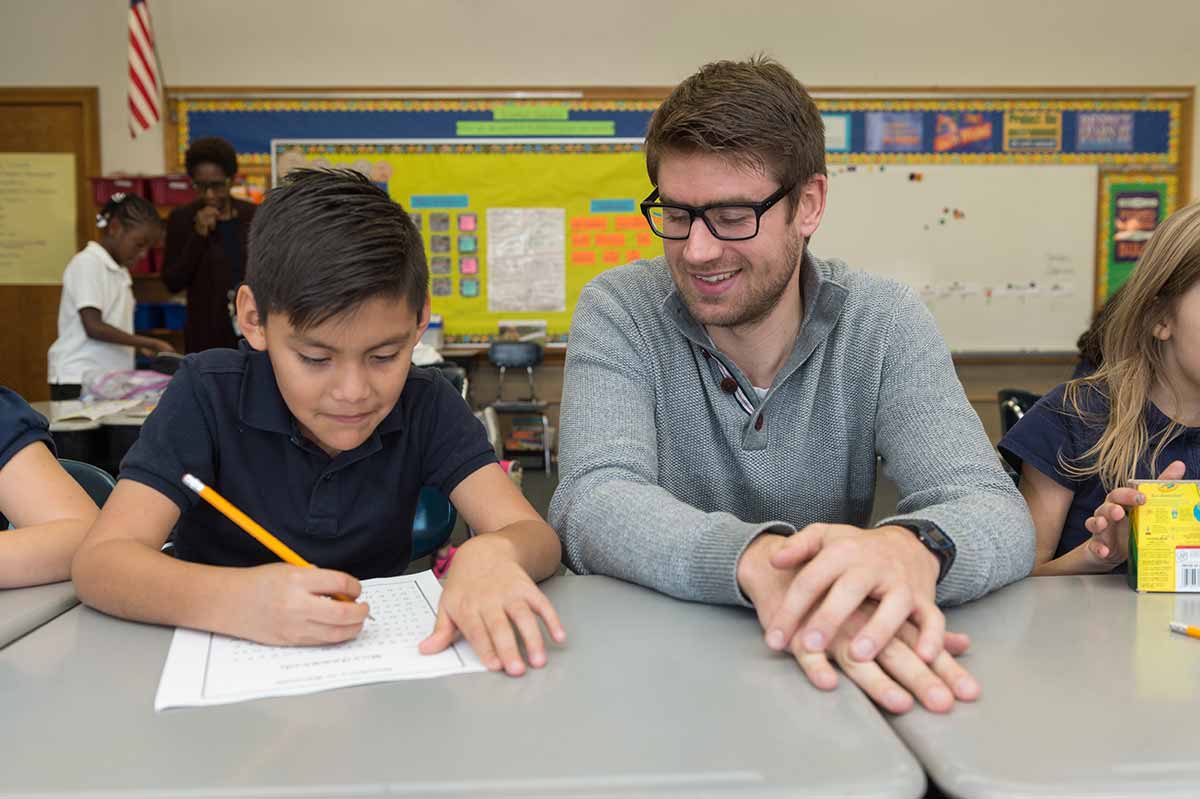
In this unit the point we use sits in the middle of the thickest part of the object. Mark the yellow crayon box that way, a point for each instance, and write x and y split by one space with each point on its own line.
1164 537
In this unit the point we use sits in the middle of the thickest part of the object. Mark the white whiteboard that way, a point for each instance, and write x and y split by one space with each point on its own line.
1004 256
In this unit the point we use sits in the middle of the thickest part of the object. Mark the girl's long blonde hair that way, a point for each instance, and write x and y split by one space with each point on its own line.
1133 355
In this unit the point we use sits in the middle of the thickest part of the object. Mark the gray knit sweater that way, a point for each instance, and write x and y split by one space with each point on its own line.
666 478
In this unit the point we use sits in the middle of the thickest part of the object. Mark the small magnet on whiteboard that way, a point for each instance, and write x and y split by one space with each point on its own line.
915 177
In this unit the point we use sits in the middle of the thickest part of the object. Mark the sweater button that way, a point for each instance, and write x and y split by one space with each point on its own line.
728 385
758 423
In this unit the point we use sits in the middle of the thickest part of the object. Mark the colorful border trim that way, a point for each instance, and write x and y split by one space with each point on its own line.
1169 156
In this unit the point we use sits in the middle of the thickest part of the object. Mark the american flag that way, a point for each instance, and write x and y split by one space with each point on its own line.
145 91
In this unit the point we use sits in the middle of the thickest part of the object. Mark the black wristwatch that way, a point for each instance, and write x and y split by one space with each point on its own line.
935 541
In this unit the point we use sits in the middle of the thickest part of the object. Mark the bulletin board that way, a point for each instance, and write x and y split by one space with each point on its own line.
1014 213
497 248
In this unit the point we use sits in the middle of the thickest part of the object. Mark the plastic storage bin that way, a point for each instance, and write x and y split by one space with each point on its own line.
104 188
174 315
171 190
147 316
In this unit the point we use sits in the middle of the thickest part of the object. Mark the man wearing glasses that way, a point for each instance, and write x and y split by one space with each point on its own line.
206 246
723 408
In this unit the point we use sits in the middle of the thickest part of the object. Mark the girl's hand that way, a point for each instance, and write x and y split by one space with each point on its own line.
153 346
1109 525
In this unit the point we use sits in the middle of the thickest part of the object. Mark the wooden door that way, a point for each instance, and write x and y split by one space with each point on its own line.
44 120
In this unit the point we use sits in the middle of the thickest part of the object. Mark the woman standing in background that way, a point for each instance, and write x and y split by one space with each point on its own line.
206 246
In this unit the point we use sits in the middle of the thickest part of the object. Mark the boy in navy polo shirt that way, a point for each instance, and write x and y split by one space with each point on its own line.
320 429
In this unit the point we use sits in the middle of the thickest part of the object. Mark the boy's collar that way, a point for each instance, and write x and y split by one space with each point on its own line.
262 407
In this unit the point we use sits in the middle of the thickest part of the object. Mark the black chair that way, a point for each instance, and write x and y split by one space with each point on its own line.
1014 403
455 374
506 355
92 479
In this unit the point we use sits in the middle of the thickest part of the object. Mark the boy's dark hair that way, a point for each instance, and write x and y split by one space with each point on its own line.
212 150
325 241
753 113
131 210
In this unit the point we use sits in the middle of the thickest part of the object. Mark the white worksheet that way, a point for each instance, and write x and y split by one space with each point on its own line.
210 669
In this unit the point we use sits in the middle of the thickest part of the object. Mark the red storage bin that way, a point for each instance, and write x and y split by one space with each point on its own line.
171 190
104 188
144 266
150 265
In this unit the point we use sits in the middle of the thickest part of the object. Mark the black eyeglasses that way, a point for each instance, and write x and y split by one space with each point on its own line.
202 186
726 221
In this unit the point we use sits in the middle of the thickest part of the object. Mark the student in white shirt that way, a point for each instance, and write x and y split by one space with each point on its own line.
95 314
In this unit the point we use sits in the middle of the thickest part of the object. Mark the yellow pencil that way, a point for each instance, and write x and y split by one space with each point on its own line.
282 550
1185 629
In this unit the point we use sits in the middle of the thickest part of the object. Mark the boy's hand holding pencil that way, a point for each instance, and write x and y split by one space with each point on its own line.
288 603
289 606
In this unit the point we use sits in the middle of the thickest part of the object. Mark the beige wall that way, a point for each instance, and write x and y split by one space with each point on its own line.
567 42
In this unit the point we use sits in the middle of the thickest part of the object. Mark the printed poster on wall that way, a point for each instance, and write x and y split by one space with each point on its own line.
1104 132
1032 131
1133 206
1136 214
895 131
37 216
963 132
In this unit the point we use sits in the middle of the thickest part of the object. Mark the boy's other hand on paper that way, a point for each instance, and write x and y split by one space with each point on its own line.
490 600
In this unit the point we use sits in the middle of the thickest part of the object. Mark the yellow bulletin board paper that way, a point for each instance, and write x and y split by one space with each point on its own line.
37 216
511 231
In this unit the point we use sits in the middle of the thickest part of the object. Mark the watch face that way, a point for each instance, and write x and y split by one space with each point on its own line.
936 538
936 542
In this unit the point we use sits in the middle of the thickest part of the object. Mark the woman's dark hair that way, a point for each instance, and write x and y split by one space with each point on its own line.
212 150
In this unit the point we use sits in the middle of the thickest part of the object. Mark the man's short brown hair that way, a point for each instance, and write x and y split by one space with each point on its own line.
753 113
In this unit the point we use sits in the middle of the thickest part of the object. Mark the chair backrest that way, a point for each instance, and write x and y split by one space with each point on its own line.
515 354
1014 403
455 374
95 481
433 522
